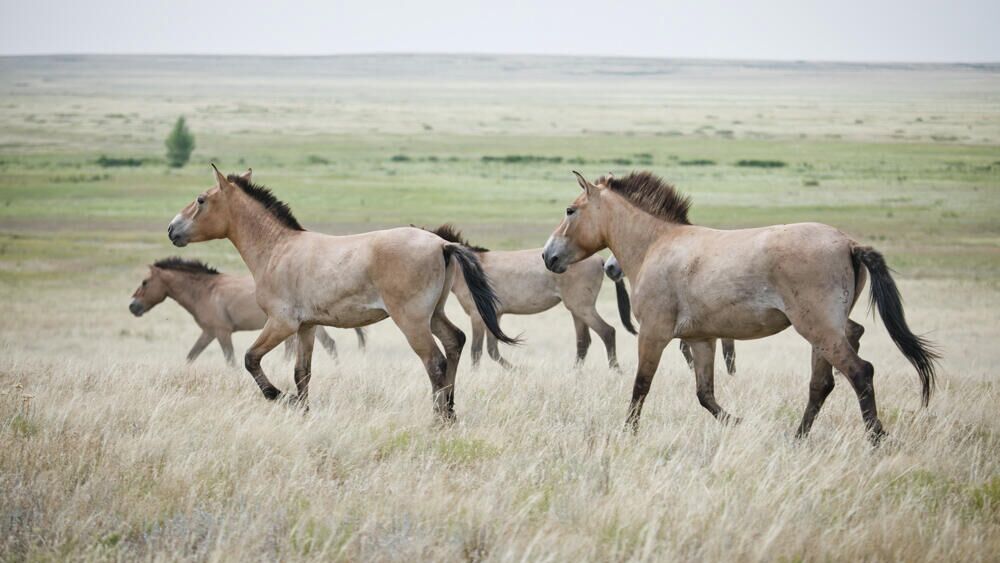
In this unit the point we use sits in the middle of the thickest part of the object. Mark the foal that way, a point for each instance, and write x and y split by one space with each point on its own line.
304 279
525 287
615 274
221 304
700 284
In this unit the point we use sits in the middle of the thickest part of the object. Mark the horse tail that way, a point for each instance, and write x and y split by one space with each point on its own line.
480 287
624 305
885 296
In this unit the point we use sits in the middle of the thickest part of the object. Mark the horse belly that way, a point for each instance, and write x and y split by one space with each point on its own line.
351 312
737 321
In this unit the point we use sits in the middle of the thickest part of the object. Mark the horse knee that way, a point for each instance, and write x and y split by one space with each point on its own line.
822 387
862 375
251 361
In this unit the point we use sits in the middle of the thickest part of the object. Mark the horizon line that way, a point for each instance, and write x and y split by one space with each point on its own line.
498 54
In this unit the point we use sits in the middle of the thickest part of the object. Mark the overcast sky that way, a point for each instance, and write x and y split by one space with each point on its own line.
841 30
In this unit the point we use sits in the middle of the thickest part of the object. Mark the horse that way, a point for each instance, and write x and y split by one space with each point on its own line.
304 278
699 284
221 304
614 272
525 287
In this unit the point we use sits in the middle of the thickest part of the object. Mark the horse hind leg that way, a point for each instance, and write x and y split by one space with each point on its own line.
494 350
703 354
327 341
836 347
453 340
822 381
605 331
729 355
582 339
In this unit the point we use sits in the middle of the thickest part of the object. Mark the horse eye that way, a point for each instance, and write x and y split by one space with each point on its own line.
201 199
570 211
144 282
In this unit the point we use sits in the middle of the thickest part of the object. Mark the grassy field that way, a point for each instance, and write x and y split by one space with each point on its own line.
113 448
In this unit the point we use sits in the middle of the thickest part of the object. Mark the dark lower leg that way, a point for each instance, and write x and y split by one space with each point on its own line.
303 362
686 351
607 334
478 331
820 387
453 341
327 341
274 333
649 359
494 351
703 355
729 355
582 339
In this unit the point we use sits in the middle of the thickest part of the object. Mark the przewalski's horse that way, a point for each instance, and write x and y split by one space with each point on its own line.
305 278
221 304
615 274
525 287
699 284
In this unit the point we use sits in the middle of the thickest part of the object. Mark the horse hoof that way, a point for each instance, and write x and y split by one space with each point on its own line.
271 393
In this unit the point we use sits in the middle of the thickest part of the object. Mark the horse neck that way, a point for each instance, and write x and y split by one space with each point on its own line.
630 232
188 290
254 231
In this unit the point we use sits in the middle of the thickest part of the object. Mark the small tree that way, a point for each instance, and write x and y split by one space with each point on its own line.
180 144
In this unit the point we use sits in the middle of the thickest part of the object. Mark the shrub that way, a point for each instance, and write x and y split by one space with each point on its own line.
113 161
697 162
180 144
754 163
400 158
315 159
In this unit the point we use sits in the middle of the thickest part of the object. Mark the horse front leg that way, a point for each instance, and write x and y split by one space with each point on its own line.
729 355
650 350
226 343
703 354
203 341
303 363
274 333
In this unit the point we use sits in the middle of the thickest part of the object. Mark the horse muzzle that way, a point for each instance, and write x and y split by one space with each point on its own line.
136 308
177 232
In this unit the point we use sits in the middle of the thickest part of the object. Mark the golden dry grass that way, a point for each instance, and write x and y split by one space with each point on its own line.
126 453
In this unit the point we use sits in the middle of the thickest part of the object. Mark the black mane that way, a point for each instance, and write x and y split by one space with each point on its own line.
651 194
278 208
451 234
188 266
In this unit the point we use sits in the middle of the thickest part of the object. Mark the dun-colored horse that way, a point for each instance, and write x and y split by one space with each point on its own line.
700 284
615 274
304 279
221 304
525 287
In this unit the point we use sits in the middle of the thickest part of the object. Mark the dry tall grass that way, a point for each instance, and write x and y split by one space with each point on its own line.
126 453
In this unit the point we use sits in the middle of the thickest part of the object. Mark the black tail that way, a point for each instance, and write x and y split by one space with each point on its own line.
885 296
624 305
480 288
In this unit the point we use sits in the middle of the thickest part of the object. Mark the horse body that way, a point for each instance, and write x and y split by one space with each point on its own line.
525 287
220 304
304 279
700 284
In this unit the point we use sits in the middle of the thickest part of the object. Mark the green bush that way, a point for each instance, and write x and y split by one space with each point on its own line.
113 161
754 163
697 162
180 144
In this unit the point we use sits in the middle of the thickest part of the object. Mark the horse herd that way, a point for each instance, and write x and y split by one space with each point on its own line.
688 282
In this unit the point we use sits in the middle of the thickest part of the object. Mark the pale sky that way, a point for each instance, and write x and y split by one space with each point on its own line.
831 30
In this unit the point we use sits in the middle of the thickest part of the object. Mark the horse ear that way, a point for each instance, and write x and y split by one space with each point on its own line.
587 186
220 178
247 175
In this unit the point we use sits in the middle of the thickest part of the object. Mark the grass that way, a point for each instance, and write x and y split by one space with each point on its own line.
114 449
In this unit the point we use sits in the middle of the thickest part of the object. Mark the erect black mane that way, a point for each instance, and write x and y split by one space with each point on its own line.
451 234
651 194
188 266
275 206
